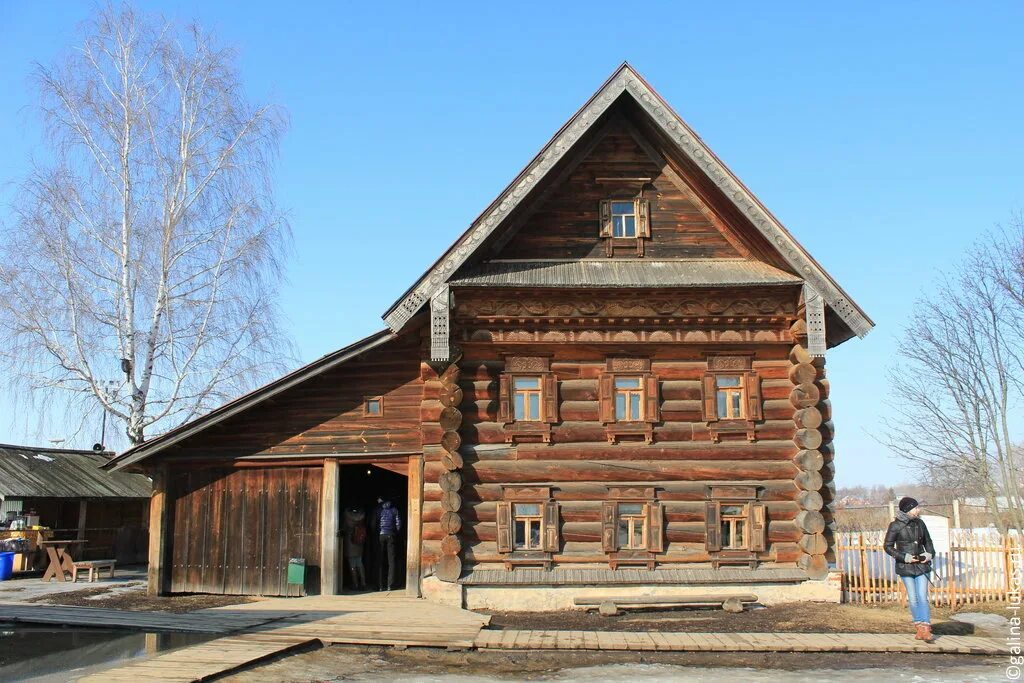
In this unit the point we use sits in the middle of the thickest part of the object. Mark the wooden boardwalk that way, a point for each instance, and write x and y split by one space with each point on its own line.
652 641
193 622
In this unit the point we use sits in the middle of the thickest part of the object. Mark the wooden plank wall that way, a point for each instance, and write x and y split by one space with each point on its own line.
579 463
233 530
325 414
565 224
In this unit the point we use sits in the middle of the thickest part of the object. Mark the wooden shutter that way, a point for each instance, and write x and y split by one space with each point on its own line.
551 527
504 535
550 392
606 397
752 384
712 527
652 402
505 398
710 400
643 221
606 218
758 527
655 528
609 526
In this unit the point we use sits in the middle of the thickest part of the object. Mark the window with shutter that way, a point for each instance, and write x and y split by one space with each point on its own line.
712 539
504 525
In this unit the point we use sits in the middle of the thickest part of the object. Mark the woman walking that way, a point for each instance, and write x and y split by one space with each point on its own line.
907 540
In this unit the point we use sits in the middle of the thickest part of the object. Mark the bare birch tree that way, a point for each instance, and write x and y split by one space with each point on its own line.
139 273
957 385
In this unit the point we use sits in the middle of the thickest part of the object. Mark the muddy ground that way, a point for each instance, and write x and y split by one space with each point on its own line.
137 600
789 618
381 663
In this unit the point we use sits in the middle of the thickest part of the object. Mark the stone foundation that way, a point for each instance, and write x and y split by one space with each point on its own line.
536 598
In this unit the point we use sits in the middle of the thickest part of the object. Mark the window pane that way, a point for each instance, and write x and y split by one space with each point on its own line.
520 406
638 535
631 508
627 382
535 535
727 381
741 534
623 533
726 534
620 406
722 403
634 404
730 510
534 412
630 227
527 509
736 396
373 406
527 383
622 207
520 530
617 229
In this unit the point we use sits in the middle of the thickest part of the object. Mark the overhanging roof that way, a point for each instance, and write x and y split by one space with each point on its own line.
626 82
30 472
321 365
638 273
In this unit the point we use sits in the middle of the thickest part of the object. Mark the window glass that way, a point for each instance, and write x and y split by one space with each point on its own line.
627 382
734 510
527 509
520 533
729 397
526 393
631 508
373 406
527 382
520 406
623 219
727 381
622 208
735 403
620 406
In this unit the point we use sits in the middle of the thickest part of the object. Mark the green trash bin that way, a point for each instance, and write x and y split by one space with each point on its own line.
297 571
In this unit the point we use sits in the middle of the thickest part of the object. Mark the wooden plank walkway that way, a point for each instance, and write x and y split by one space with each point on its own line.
194 622
201 662
732 642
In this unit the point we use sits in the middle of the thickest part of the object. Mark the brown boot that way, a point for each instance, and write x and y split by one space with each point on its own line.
920 632
928 637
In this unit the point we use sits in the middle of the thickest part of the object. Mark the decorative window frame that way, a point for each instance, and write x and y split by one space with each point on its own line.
753 401
651 402
550 531
655 511
757 525
642 210
528 430
366 407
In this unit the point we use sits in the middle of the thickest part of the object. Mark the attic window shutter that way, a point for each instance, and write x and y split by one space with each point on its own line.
551 527
758 527
655 528
643 221
606 218
505 398
754 404
504 523
652 409
606 397
609 527
710 400
550 393
712 527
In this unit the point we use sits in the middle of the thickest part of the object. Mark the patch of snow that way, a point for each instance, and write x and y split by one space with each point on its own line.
45 458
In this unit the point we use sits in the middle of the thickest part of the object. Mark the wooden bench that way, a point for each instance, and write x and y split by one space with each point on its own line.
730 603
94 567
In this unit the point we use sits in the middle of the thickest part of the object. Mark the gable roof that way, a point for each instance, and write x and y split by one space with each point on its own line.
31 472
626 82
319 366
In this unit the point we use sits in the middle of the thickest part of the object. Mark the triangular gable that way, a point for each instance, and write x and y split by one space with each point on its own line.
627 82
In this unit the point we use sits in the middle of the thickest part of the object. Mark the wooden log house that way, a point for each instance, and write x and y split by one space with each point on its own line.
614 378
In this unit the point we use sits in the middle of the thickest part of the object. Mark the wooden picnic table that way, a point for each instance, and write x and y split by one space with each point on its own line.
61 559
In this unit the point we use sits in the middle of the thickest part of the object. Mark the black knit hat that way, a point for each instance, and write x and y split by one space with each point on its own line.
907 504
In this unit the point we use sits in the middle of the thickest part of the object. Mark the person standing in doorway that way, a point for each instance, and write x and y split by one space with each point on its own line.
354 529
388 523
908 542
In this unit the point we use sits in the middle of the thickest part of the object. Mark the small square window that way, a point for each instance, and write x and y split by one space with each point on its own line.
373 406
624 219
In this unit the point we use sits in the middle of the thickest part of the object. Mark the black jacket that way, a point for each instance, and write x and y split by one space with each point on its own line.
909 538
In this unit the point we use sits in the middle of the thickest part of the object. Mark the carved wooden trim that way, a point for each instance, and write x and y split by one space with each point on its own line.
440 324
527 364
730 363
814 314
623 364
626 80
530 494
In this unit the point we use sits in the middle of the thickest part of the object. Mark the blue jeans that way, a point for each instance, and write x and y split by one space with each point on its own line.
917 596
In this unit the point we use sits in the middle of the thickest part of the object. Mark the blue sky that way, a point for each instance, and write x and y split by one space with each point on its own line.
886 139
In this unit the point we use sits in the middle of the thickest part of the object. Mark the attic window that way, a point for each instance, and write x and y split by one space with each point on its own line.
373 406
623 219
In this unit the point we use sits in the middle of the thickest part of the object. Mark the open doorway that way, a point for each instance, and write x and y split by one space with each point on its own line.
361 488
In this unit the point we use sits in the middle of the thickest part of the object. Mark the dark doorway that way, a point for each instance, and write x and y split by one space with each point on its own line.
362 486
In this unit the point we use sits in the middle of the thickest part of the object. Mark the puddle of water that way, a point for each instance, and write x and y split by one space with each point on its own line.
45 653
